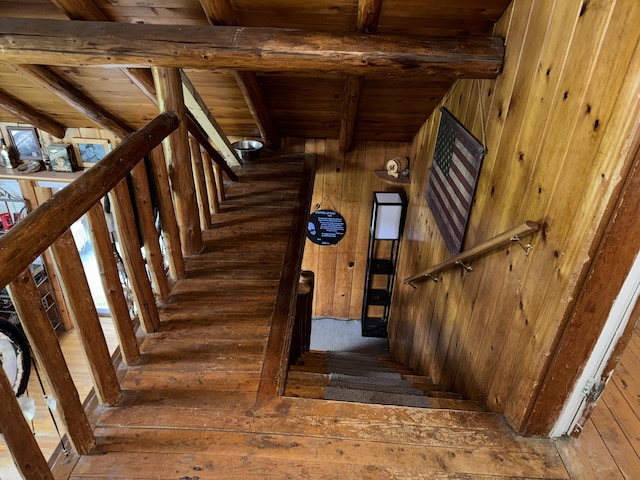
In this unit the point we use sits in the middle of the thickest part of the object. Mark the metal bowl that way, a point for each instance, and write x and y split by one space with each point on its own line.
248 149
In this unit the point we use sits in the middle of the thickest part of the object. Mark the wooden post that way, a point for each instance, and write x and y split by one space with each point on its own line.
169 91
167 214
85 318
112 287
212 189
201 186
133 261
307 277
22 444
217 172
197 131
31 194
44 345
352 91
150 236
21 245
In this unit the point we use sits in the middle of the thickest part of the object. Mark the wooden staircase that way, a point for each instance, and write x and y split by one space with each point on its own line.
189 408
353 377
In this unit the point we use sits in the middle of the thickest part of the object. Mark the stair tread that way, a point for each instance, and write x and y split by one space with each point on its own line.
376 387
372 396
372 379
392 381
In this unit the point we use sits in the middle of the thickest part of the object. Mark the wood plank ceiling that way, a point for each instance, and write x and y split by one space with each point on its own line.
271 104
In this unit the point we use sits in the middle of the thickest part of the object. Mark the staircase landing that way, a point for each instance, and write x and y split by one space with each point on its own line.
189 408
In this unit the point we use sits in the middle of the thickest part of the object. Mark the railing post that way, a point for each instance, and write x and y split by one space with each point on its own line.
46 348
112 285
307 277
170 98
167 214
85 318
150 235
217 172
133 261
201 187
212 189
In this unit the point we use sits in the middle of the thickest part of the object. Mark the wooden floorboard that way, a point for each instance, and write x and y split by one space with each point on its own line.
609 446
188 407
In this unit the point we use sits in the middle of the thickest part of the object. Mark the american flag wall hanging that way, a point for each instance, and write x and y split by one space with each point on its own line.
452 180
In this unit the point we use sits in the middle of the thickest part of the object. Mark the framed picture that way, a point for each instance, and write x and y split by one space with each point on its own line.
90 150
25 140
62 158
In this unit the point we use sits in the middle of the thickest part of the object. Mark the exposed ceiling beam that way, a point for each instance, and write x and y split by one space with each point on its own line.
352 90
64 42
220 12
367 22
81 10
205 118
250 88
143 78
31 116
198 133
74 97
368 15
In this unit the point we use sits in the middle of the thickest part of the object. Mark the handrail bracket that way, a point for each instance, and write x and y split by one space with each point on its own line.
527 248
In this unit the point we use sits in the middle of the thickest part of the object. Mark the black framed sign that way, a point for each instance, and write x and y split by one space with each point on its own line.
326 227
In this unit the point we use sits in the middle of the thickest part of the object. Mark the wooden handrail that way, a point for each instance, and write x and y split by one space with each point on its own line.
21 245
524 229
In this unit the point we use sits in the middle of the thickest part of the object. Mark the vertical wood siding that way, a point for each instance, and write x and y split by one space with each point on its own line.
557 124
345 182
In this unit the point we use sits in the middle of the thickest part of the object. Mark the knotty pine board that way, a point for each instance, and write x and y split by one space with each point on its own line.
548 117
345 182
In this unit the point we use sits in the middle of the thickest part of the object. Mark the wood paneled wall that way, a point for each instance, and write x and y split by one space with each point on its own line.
557 124
345 183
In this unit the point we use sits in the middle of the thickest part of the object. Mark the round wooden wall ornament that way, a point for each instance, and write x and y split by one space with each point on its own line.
326 227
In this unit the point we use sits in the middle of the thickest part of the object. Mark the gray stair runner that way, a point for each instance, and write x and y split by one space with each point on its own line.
354 377
366 379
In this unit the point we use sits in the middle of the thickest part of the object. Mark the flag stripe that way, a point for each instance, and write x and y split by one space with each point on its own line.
450 194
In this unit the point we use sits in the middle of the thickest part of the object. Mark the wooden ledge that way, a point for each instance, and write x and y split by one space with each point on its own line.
41 176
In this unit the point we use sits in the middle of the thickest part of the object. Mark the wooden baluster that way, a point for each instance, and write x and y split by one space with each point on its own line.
21 442
31 192
114 293
217 171
199 180
133 261
149 233
212 189
170 98
85 318
167 214
44 345
307 277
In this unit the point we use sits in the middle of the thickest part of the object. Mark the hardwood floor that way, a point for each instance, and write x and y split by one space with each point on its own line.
609 446
43 426
189 407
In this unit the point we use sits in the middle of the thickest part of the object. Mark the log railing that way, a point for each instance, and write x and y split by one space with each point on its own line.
461 260
124 177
